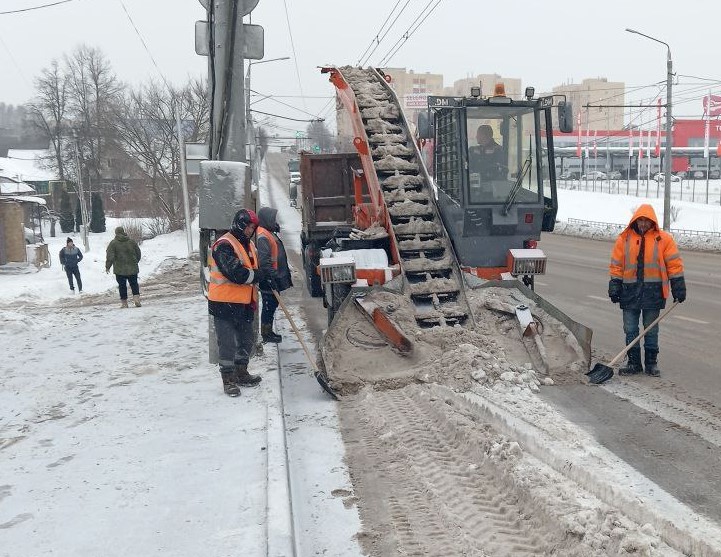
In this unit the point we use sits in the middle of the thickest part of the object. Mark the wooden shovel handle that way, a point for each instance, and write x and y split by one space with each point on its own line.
622 353
295 330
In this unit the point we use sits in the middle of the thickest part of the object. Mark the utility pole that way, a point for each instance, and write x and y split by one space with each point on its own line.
669 125
81 196
184 180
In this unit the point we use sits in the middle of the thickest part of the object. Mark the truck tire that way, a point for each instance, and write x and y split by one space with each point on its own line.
312 279
339 292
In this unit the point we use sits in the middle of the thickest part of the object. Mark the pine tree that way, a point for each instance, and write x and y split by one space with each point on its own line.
67 221
78 216
97 215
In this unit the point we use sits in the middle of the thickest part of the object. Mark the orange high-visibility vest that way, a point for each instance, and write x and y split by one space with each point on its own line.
220 289
273 245
661 259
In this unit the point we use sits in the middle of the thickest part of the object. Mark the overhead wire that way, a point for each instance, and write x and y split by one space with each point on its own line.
295 56
410 31
35 7
364 59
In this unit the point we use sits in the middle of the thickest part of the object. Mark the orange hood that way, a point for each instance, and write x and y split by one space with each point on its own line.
645 210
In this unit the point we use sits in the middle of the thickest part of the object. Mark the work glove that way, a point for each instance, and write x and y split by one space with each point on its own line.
259 276
614 290
678 289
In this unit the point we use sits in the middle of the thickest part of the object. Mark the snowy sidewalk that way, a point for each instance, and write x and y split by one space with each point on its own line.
116 439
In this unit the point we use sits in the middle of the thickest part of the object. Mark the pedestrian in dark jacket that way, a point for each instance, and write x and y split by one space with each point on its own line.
274 261
233 300
645 267
123 255
70 256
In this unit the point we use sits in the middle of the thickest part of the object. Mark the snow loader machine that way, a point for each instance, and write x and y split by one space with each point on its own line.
444 243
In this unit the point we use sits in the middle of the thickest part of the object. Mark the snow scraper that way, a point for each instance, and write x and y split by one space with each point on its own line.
322 379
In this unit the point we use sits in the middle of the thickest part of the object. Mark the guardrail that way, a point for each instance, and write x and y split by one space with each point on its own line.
681 231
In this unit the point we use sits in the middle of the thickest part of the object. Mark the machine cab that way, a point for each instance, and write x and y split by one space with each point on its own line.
493 169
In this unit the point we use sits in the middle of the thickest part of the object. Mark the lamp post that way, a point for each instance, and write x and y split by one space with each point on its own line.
667 161
250 133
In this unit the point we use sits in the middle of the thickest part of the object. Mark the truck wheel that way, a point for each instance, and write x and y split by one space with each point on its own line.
339 292
312 280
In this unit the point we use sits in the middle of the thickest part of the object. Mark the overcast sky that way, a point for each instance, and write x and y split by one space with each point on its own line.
544 43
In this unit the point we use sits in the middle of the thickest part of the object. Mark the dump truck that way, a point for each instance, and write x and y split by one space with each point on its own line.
326 207
448 244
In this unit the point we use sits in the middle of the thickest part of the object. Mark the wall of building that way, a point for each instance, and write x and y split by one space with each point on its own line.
596 91
12 235
462 87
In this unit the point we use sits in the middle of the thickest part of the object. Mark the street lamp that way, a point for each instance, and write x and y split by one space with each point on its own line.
250 133
667 161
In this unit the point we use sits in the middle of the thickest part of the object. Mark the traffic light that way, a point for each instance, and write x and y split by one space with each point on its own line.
316 148
297 135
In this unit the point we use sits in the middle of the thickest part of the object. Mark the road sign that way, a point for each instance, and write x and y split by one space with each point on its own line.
415 100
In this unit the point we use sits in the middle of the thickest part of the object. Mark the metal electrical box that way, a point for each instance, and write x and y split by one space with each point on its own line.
224 189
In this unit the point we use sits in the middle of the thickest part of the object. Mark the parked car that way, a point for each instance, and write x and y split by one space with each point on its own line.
698 174
714 175
661 177
614 175
568 176
595 175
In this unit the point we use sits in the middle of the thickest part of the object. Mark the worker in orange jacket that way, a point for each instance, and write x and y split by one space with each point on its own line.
645 266
274 261
233 300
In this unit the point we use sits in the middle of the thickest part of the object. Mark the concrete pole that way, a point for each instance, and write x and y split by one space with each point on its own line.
669 141
184 180
669 124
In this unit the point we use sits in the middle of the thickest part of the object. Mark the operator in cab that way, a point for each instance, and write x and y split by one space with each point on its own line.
487 158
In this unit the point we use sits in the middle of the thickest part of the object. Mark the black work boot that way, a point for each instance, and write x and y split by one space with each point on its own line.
245 379
230 386
633 365
266 332
651 361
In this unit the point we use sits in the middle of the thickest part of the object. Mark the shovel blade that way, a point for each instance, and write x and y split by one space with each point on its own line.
323 382
600 374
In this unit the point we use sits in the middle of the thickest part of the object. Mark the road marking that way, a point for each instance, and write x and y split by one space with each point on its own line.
691 319
597 298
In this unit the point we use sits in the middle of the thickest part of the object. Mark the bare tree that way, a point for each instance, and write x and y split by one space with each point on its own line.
48 112
93 90
320 135
147 131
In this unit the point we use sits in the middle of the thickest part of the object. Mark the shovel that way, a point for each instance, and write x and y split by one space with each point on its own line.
603 372
322 379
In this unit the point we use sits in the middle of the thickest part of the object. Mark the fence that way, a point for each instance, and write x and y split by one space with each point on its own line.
619 227
697 191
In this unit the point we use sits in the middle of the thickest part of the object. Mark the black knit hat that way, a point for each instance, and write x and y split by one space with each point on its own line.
69 240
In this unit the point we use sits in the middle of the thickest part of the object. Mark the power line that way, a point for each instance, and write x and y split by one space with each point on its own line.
295 56
286 117
409 32
145 46
35 7
272 98
364 59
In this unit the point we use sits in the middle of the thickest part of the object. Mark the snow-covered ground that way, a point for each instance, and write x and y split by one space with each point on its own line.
116 439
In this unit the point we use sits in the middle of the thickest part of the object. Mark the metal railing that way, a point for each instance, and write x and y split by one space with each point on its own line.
680 231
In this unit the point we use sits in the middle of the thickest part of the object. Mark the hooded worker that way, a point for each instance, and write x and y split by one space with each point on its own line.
645 268
274 261
233 300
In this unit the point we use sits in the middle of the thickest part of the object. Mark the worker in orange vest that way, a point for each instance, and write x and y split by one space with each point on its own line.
273 260
645 266
233 300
